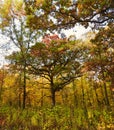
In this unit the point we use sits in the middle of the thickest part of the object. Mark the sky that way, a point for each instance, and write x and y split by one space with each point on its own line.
3 48
6 48
78 31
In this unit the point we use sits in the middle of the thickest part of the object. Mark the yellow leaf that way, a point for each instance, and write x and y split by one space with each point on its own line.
34 121
38 2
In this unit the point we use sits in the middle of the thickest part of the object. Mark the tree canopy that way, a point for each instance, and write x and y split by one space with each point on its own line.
67 13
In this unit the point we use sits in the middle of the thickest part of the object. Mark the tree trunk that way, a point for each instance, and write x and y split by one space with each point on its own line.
1 85
112 88
75 95
20 91
105 91
24 86
19 100
104 84
42 98
84 102
112 91
96 94
106 95
53 97
52 91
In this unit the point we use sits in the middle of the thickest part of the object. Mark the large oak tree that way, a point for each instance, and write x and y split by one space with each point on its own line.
57 60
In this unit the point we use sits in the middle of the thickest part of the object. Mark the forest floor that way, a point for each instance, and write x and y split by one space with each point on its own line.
57 118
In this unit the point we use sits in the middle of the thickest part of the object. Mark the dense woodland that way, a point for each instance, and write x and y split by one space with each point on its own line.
55 82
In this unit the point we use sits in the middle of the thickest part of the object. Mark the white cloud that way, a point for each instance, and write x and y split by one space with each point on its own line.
78 31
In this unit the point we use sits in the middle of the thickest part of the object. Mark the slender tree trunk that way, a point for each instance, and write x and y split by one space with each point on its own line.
74 94
19 100
42 98
105 91
112 87
83 98
24 86
106 95
104 84
103 96
1 89
97 98
20 91
84 103
89 99
96 94
53 97
1 85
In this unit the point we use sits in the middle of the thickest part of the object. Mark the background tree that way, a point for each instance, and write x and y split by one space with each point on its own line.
20 35
101 57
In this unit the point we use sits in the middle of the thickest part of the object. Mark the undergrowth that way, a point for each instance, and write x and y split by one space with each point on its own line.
56 118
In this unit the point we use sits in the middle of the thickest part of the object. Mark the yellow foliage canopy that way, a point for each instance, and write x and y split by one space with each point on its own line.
10 9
